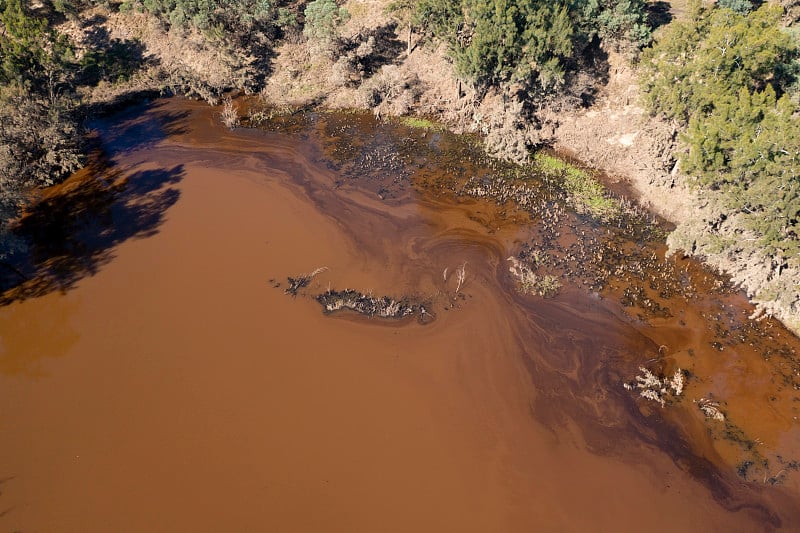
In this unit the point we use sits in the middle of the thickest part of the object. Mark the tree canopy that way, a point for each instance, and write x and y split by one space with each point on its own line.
31 53
527 41
696 63
728 77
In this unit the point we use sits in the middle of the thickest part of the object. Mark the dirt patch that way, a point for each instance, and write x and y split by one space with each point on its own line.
619 137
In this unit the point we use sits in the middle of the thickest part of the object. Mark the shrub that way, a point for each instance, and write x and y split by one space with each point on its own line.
742 7
621 23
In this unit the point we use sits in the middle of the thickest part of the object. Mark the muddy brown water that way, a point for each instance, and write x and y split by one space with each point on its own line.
162 381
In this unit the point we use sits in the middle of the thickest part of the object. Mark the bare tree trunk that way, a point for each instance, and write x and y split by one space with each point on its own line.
409 47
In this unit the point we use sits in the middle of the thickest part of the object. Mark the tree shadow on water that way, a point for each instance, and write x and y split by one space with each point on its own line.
73 232
139 126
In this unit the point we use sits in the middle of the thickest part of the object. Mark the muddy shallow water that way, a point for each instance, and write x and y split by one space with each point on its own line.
157 377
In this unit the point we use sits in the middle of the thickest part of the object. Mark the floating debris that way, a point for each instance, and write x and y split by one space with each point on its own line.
529 282
711 409
383 307
461 276
657 389
295 284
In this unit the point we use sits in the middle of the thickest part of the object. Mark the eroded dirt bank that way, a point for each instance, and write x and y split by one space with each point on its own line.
178 389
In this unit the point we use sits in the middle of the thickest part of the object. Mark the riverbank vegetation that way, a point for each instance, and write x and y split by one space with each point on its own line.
529 43
62 62
732 87
56 55
728 77
40 138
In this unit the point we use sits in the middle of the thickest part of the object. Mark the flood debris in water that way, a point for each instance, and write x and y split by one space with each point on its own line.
301 281
784 467
460 277
658 389
615 254
371 306
529 282
367 305
711 409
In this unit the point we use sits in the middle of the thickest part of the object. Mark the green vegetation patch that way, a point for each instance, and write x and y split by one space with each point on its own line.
421 123
323 17
587 195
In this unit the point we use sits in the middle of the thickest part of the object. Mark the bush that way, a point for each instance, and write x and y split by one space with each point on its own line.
40 141
621 23
32 54
743 7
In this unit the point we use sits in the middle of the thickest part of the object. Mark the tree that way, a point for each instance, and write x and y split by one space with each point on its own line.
32 54
323 17
516 41
39 137
406 12
441 19
621 23
724 75
530 42
696 63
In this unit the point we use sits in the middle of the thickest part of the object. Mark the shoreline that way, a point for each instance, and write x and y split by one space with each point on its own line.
595 117
612 135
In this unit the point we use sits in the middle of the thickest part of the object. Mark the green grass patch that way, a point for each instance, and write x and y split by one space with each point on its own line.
588 195
421 123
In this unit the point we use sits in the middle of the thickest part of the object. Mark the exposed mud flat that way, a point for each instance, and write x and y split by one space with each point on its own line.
170 386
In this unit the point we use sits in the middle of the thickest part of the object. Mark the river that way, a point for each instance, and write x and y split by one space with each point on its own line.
156 375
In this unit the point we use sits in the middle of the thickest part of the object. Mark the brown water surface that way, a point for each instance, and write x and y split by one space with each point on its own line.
160 382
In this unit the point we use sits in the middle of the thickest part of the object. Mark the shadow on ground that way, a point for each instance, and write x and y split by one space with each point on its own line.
659 14
112 60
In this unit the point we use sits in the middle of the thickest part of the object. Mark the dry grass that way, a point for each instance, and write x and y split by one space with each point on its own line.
181 58
420 83
229 114
679 9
